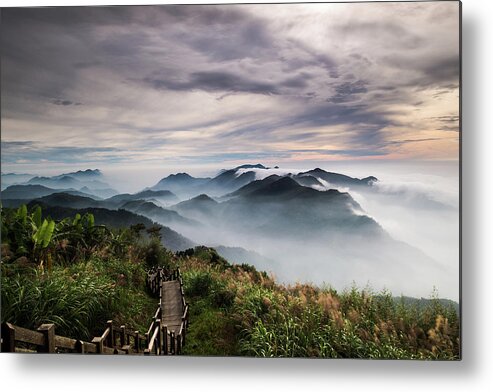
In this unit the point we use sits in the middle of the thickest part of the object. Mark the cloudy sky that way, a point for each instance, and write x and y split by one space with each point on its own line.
214 86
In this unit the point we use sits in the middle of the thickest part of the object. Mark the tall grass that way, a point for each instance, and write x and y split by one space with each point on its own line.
78 299
265 319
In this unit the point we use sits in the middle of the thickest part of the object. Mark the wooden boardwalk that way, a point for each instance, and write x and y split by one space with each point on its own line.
167 332
172 306
165 336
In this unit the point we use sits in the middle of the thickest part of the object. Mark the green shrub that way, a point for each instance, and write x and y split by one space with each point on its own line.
223 297
198 283
155 254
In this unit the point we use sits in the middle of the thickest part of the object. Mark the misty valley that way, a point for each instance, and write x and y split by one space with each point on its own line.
300 226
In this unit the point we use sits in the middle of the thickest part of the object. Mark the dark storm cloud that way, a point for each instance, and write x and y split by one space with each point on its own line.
298 77
298 81
75 17
346 92
207 15
214 81
442 70
248 40
64 102
224 81
308 57
332 114
365 126
434 71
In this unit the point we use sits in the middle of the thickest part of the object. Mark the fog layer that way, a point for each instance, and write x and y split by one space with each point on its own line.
418 206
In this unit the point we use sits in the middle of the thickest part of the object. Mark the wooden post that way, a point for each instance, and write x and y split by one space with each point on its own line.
79 347
111 336
8 338
178 344
122 336
136 342
48 330
159 340
165 338
172 339
99 344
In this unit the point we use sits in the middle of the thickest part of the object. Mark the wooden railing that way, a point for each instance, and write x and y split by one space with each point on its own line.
158 274
162 341
114 340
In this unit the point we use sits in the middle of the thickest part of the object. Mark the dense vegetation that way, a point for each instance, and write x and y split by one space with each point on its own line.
236 310
77 275
74 273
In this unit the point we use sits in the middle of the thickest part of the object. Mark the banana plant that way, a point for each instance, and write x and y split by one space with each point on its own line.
42 239
16 230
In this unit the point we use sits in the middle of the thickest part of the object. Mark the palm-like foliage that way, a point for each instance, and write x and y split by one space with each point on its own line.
39 240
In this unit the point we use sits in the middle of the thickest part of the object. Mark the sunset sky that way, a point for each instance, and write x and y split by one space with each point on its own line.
216 86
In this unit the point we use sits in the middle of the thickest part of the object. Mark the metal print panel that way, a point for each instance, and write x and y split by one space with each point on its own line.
269 180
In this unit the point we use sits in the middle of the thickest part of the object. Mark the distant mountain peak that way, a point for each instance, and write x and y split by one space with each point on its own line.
89 171
250 166
278 186
203 197
180 175
339 179
287 181
370 180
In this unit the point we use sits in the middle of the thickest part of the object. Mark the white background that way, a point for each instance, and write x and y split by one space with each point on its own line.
473 373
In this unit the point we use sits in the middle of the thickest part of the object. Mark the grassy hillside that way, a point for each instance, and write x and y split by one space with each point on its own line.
78 275
237 310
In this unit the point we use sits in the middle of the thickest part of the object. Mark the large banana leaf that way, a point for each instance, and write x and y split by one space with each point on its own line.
36 217
22 213
42 237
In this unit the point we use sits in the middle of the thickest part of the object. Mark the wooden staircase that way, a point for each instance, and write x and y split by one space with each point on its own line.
165 336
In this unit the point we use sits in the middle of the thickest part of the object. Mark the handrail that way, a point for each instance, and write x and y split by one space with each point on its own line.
156 277
113 340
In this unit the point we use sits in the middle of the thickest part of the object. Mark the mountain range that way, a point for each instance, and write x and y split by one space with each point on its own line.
91 182
296 223
290 205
